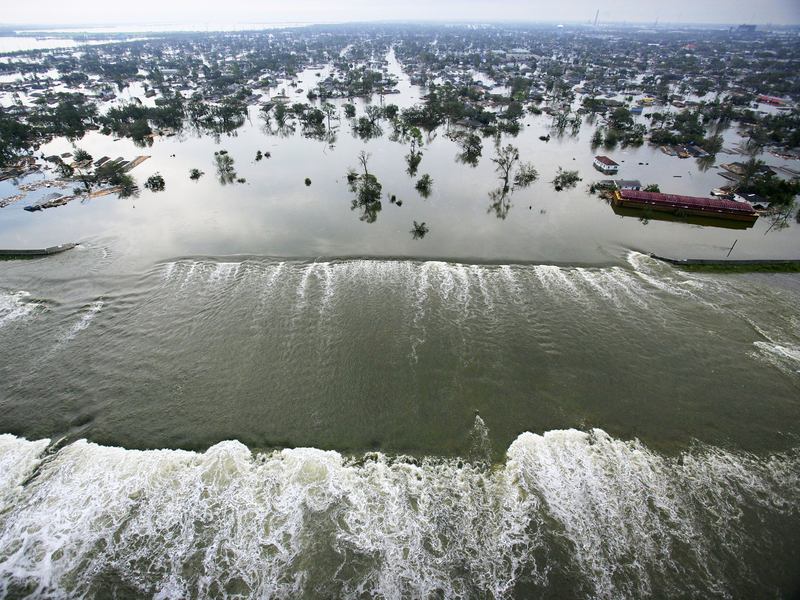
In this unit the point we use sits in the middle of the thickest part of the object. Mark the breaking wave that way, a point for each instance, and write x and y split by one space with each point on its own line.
15 306
469 286
785 358
86 318
569 513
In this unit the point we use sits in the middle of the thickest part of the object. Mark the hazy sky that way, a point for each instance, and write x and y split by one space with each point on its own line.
227 12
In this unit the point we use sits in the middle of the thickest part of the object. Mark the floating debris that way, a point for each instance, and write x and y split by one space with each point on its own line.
11 199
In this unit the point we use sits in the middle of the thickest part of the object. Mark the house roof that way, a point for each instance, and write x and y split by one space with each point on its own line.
606 161
753 198
629 183
675 200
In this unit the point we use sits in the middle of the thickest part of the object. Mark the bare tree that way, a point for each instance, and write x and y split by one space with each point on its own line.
363 158
506 158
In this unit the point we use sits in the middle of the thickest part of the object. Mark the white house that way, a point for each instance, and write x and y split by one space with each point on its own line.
605 164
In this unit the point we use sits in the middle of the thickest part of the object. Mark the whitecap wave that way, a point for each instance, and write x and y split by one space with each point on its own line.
15 306
85 320
611 516
785 357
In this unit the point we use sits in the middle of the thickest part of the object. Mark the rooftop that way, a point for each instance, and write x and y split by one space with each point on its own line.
606 161
714 204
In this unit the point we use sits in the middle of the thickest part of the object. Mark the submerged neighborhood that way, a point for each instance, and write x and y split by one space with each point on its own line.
725 99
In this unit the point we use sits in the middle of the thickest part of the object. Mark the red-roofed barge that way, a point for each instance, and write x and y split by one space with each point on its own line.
686 205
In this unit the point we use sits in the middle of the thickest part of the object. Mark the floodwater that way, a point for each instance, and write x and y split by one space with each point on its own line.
245 390
45 41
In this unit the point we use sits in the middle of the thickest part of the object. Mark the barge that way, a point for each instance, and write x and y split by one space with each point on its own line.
686 206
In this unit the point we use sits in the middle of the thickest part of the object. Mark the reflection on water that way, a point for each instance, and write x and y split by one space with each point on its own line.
646 215
367 191
506 160
274 214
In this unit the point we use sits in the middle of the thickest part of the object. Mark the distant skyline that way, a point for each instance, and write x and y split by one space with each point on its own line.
54 13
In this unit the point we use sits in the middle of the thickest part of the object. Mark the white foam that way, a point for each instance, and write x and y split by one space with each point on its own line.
329 280
302 288
169 270
15 306
224 272
455 285
18 459
509 277
595 281
480 275
784 357
172 523
85 319
421 285
647 268
627 510
144 515
556 281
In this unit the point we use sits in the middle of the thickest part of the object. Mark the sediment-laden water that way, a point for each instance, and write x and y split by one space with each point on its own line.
568 513
638 429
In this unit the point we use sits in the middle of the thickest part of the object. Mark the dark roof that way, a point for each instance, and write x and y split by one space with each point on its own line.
754 198
711 204
606 161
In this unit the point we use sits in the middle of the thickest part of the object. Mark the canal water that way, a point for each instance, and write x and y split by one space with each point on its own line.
247 391
398 428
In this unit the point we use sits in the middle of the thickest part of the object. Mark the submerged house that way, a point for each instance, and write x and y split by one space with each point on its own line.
628 184
754 200
605 165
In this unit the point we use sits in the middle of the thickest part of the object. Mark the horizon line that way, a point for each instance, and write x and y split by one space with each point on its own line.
79 28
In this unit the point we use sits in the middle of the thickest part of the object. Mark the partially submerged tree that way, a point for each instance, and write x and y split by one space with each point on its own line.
82 164
81 156
226 172
506 161
330 111
367 190
424 184
597 138
155 183
414 156
565 179
126 184
419 230
471 148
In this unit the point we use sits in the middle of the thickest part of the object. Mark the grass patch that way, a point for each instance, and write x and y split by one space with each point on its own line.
776 267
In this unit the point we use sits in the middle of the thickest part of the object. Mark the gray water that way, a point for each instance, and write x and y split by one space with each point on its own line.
637 432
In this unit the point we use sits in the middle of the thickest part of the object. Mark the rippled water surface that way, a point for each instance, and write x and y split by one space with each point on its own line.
637 432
